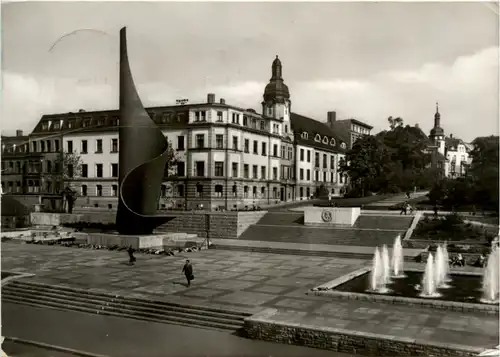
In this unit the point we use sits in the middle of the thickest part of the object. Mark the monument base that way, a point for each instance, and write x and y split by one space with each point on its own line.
159 240
331 216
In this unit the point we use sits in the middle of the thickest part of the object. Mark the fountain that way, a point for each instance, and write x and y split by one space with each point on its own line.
377 279
490 278
428 282
386 267
446 258
441 268
397 258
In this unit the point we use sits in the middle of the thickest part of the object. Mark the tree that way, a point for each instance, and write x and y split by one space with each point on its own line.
483 171
392 161
365 164
395 122
170 175
66 167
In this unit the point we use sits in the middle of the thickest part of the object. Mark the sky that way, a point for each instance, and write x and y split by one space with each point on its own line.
364 60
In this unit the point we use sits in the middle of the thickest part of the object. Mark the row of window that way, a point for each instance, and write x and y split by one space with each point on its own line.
317 159
325 140
84 170
201 116
317 176
98 146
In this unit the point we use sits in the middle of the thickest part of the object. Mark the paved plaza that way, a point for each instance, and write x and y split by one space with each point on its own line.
250 282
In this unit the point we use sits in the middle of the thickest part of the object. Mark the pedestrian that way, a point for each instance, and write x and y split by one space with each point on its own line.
131 257
188 272
403 209
330 199
435 210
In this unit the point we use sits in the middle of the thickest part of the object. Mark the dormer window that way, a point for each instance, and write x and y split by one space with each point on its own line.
305 135
45 126
332 142
270 111
317 138
57 125
100 121
325 140
342 145
164 118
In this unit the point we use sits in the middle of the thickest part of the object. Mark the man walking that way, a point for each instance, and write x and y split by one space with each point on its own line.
188 272
131 257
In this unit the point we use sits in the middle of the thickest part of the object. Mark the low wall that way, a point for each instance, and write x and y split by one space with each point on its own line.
56 219
140 241
262 327
218 225
331 216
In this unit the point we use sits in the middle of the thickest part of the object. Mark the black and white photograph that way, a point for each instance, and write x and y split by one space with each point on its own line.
250 179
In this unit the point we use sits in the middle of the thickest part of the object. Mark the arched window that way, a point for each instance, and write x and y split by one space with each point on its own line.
305 135
325 140
317 138
332 142
245 192
235 190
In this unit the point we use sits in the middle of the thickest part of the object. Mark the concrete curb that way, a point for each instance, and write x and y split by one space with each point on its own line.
52 347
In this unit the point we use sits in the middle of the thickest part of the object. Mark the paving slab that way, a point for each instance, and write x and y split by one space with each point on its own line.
160 278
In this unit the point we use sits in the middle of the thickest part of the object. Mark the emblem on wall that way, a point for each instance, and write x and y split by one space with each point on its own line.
326 216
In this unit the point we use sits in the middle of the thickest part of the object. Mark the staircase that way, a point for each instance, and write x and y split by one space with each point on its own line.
66 298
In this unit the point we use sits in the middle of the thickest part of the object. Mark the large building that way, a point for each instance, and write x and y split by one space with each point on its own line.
350 129
451 155
227 157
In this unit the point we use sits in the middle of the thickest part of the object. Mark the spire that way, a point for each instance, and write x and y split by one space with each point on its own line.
276 69
437 117
276 90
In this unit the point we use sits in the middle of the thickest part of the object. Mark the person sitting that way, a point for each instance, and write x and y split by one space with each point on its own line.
480 262
460 260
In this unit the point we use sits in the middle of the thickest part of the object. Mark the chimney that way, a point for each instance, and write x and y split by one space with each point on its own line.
222 101
331 117
417 126
210 98
19 133
451 136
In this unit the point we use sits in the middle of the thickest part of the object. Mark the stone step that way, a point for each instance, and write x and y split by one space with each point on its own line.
57 291
310 235
129 299
68 299
319 253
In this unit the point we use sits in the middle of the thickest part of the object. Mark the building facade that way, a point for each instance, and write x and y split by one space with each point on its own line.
350 129
450 155
226 157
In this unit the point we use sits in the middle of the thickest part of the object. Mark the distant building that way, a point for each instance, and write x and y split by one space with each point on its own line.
450 155
351 129
228 157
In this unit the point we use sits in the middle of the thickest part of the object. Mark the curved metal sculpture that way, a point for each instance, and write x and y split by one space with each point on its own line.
142 158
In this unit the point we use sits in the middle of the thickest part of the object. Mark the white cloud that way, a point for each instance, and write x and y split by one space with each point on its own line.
466 89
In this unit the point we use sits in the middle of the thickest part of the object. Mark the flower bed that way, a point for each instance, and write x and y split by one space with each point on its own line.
452 228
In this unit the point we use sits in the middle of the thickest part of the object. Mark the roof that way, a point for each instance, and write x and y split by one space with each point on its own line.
454 142
313 128
356 121
108 120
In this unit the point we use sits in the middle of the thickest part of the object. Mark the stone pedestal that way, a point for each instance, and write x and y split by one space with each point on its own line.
159 240
331 216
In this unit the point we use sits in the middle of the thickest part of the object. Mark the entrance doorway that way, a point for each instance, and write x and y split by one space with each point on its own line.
282 194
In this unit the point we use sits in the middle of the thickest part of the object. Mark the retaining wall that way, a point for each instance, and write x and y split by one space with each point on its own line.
261 326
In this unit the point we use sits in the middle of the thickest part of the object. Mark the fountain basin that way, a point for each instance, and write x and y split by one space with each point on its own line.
354 286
